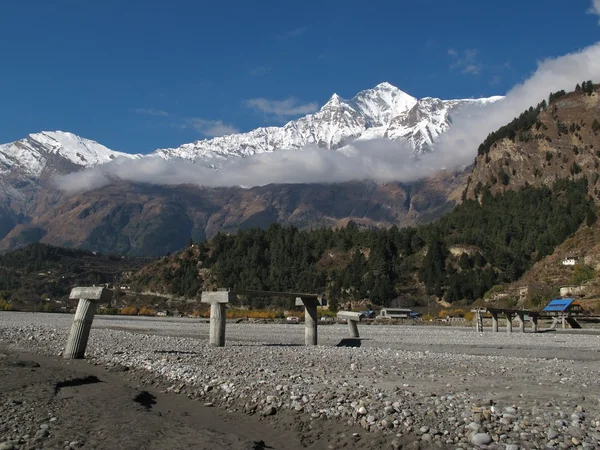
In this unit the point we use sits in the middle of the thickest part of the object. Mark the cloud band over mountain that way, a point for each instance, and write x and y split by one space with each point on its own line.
378 159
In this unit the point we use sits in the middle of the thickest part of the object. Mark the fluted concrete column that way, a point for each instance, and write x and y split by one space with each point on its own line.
80 330
217 324
218 310
84 316
494 322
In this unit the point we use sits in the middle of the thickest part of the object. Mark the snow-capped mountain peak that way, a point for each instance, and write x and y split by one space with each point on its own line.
380 112
31 156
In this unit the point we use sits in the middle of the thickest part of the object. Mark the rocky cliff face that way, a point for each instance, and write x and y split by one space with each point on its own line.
563 142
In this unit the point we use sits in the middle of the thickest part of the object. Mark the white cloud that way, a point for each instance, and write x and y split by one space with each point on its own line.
466 62
595 8
210 128
258 71
381 160
282 108
151 112
295 32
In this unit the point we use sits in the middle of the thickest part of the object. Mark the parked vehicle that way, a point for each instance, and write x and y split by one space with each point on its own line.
370 314
293 319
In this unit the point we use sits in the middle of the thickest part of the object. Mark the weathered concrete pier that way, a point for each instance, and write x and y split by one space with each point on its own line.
219 299
218 302
521 315
88 297
352 318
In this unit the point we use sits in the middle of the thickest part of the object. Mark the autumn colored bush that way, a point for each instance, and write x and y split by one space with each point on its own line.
128 311
5 306
146 312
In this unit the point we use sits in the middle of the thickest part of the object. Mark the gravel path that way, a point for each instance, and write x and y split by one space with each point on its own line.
438 387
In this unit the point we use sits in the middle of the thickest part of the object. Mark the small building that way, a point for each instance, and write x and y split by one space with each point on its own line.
563 310
573 290
570 260
397 313
563 306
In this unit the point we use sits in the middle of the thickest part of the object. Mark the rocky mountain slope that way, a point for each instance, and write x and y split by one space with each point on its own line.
153 220
559 140
141 219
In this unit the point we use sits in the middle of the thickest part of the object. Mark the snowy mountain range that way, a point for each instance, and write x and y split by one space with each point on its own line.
381 112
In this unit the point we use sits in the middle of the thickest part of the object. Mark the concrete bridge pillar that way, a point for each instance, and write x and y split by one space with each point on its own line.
218 307
495 322
534 324
84 316
521 320
509 317
311 319
352 318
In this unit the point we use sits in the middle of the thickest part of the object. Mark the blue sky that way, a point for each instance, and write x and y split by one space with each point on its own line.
138 75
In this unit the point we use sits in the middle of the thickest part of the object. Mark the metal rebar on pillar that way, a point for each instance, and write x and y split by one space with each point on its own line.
508 322
218 309
495 322
84 316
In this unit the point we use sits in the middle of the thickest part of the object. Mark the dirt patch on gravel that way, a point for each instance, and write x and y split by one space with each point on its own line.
46 402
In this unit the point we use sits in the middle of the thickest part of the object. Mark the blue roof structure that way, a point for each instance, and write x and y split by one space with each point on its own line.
559 305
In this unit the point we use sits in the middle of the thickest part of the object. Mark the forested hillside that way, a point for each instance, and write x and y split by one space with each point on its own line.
459 257
41 276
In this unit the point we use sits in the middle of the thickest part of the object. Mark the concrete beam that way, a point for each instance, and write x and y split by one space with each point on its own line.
352 318
216 297
84 316
320 301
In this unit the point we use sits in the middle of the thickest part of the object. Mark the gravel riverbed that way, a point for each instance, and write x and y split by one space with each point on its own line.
418 387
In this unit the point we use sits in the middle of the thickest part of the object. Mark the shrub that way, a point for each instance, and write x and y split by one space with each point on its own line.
129 311
147 312
582 273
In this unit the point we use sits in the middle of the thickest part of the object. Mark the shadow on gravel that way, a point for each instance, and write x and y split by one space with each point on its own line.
350 342
146 399
175 352
90 379
283 345
256 445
